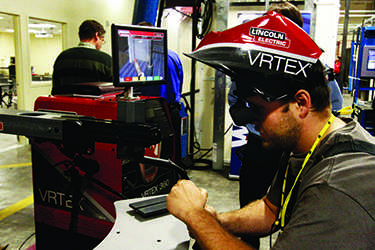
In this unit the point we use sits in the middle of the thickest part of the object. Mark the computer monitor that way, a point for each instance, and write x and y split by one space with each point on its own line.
368 61
139 55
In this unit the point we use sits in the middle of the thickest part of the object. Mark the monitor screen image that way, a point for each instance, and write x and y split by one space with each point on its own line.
367 65
371 59
139 55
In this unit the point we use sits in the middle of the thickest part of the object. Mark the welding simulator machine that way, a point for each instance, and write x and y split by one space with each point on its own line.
88 152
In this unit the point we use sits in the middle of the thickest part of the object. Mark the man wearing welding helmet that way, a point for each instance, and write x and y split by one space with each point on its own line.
323 194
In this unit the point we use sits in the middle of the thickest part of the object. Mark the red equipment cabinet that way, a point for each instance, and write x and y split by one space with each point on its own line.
57 180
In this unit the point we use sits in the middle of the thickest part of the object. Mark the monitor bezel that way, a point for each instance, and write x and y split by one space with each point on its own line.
115 55
364 71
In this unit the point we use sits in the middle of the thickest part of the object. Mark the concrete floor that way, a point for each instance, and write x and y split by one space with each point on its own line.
15 187
16 210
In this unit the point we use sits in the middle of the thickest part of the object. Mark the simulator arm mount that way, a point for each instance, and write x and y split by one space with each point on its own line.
78 134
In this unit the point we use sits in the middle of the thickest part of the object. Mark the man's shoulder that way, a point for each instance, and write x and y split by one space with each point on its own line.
85 53
348 139
344 152
347 164
74 51
79 49
90 51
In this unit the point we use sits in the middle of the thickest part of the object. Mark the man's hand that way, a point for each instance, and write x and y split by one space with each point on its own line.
212 211
185 198
187 203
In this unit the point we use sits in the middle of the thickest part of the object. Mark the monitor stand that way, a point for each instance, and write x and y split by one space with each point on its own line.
128 94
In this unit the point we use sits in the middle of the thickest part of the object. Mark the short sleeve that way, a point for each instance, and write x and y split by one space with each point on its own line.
325 218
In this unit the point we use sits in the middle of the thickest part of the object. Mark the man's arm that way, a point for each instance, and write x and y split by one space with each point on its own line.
336 96
210 234
255 218
187 202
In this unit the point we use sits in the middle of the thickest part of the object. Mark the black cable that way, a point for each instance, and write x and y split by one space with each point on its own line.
196 144
166 164
230 126
206 161
187 106
28 238
273 229
182 13
106 187
210 149
206 16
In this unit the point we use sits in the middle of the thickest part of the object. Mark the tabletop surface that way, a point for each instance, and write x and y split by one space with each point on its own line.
131 231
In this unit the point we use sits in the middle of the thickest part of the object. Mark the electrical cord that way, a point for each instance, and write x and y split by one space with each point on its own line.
206 17
182 13
26 240
196 143
209 149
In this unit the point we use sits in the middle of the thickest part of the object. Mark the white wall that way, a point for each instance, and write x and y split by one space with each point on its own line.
70 13
327 13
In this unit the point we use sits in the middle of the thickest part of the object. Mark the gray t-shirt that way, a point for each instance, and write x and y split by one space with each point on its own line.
333 204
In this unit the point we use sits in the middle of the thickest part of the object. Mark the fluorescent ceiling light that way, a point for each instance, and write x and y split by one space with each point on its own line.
43 35
34 31
41 25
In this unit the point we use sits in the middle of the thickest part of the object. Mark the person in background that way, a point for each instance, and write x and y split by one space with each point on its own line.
12 70
84 63
322 196
259 165
171 92
337 67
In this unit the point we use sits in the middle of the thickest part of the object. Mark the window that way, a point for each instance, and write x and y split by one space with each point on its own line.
45 46
7 61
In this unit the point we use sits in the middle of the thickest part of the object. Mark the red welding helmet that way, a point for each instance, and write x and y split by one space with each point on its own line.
270 56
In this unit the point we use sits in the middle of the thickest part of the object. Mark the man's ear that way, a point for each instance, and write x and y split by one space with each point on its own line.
303 102
97 37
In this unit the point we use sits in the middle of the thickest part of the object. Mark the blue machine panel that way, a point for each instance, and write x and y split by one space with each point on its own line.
239 138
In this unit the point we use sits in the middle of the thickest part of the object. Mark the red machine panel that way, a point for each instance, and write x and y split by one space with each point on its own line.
64 191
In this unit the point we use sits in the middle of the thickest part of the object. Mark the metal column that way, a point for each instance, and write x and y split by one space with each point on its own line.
219 121
220 98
